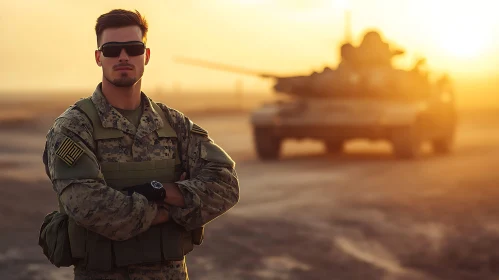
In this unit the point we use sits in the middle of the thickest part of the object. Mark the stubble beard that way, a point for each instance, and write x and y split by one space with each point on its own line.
123 81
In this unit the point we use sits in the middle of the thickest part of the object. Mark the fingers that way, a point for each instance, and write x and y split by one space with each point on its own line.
164 215
183 176
162 205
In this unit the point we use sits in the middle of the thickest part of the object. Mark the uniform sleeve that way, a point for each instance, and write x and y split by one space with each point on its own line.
212 187
77 179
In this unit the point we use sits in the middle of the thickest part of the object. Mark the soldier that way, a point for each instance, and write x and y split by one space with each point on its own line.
348 54
374 51
138 180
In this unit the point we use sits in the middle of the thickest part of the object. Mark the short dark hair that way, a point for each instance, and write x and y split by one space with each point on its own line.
120 18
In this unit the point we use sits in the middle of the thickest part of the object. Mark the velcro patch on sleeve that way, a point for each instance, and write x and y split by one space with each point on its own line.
69 151
197 129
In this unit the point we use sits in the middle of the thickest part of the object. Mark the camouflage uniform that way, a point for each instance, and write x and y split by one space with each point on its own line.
211 189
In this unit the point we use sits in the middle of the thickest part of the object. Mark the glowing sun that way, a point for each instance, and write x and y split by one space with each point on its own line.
463 42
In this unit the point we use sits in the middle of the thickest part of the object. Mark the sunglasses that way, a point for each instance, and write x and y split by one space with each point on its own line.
132 48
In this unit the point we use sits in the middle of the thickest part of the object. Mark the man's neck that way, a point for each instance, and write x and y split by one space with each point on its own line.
126 98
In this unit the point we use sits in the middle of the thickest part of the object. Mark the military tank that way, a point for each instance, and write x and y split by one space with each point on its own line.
364 97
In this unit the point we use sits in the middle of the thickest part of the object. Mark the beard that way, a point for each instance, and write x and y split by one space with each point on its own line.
123 81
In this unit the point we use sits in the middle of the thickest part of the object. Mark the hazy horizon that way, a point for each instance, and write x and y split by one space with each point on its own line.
50 44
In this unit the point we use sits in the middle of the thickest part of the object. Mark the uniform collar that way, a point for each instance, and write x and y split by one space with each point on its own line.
111 118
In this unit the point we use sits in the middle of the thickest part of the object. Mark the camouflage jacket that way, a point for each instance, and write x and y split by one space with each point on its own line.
211 189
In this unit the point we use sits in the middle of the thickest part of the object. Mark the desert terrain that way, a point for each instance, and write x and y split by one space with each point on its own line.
359 215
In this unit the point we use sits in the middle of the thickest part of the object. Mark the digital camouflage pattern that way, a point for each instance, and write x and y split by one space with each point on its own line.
211 189
213 186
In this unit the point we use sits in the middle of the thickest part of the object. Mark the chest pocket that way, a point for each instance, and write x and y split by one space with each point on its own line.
119 175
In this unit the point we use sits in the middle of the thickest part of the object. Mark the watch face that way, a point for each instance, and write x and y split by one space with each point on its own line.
156 185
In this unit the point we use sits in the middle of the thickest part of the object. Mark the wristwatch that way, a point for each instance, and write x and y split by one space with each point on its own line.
156 185
152 190
158 189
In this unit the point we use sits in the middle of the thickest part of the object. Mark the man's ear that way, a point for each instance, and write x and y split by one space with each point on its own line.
148 55
97 57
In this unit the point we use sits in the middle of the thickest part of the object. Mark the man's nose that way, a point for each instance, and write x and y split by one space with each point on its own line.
123 55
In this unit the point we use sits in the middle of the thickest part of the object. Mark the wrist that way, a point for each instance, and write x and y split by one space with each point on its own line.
169 187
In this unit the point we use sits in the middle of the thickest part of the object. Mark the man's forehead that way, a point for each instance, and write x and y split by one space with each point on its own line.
121 34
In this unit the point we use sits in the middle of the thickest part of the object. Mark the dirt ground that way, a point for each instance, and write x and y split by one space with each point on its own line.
360 215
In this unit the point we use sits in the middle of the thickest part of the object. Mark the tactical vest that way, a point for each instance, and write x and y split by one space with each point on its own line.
164 242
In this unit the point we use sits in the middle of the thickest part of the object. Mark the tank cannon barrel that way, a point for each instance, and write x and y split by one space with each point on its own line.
223 67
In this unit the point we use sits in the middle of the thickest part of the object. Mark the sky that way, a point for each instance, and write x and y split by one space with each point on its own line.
49 45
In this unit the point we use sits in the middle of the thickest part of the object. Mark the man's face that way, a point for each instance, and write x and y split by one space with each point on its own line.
125 69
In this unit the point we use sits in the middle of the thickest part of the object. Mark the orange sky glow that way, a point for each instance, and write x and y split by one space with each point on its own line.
49 45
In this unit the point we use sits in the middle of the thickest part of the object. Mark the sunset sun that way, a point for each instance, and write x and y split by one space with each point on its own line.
463 31
463 42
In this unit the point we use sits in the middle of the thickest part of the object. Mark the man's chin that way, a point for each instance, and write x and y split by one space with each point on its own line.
124 82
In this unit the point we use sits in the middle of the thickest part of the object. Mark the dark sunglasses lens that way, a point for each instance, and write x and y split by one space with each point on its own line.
134 50
111 51
131 50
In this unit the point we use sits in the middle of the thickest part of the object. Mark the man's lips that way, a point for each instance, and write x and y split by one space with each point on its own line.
122 68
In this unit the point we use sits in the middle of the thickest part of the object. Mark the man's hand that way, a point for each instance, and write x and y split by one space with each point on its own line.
173 194
162 216
183 176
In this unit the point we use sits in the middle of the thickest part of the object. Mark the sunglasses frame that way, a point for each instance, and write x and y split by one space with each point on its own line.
122 44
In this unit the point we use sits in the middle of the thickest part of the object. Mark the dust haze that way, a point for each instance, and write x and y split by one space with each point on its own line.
360 215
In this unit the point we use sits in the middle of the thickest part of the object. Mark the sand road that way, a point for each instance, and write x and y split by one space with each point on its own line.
360 215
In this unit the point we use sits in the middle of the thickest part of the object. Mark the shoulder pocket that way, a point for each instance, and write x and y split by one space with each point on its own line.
214 153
